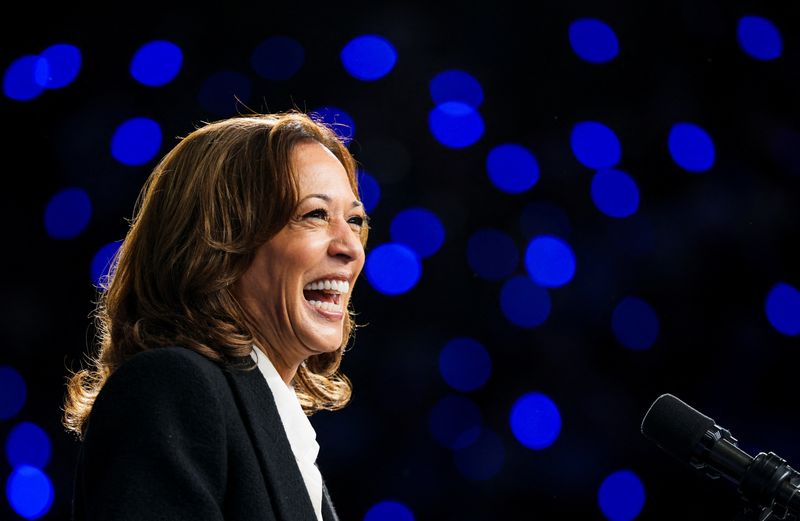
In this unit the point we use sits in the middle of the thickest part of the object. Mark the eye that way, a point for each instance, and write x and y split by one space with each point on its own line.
357 220
319 213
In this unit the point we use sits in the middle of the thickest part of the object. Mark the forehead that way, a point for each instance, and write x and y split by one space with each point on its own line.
319 171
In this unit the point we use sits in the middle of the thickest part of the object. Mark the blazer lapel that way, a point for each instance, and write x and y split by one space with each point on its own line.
281 473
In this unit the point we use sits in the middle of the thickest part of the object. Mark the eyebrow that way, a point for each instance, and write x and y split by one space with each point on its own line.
328 199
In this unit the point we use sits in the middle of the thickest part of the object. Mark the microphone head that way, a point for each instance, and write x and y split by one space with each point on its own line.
675 427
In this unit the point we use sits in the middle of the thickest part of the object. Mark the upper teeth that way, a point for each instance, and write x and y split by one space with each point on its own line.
331 286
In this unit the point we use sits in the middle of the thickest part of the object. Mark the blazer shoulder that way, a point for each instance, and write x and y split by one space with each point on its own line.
173 369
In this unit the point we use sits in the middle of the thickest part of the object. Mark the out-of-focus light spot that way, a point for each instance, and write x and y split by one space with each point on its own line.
369 190
615 193
223 91
783 308
63 65
483 459
535 420
455 422
278 58
23 79
67 213
492 254
389 511
691 147
368 57
759 38
102 268
512 168
593 40
136 141
339 120
12 392
621 496
464 363
595 145
550 261
544 218
393 268
455 85
419 229
156 63
455 124
28 444
29 492
524 303
635 323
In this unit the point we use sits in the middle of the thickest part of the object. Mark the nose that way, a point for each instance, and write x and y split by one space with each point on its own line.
344 242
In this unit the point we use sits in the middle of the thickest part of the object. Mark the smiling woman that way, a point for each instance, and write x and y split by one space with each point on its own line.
222 326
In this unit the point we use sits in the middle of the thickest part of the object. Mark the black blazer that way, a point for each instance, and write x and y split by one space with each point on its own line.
174 436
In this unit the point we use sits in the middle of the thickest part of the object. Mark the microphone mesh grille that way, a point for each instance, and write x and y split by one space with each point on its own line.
675 426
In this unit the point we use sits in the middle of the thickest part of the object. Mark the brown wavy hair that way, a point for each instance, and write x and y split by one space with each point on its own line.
197 223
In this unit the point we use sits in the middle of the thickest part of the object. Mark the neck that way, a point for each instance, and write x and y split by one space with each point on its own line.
286 369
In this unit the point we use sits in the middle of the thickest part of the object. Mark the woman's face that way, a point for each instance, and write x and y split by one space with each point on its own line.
299 284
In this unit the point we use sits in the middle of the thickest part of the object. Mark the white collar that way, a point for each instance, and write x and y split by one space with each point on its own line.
301 434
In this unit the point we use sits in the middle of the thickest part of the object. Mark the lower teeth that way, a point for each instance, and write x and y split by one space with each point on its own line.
327 306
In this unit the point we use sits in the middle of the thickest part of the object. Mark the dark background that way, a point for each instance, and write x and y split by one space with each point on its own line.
703 250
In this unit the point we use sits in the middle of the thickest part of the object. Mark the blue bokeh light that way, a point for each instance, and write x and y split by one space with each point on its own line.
456 85
455 124
691 147
593 40
102 266
550 261
635 323
28 444
464 364
12 392
389 511
223 91
29 492
136 141
368 57
759 38
393 268
783 308
492 254
278 58
156 63
63 65
483 459
67 213
595 145
419 229
455 422
369 190
615 193
524 303
24 78
621 496
535 420
544 218
340 121
512 168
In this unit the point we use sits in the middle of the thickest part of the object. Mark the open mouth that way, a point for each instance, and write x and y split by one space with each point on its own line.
326 295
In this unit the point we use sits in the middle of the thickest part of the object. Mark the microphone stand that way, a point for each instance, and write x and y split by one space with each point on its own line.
771 481
764 480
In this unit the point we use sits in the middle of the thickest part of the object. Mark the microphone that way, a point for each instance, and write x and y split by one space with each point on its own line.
765 481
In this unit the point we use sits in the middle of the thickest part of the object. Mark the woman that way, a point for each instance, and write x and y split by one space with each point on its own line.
223 322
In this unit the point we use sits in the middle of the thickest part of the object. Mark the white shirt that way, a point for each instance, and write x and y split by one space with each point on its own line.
301 434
